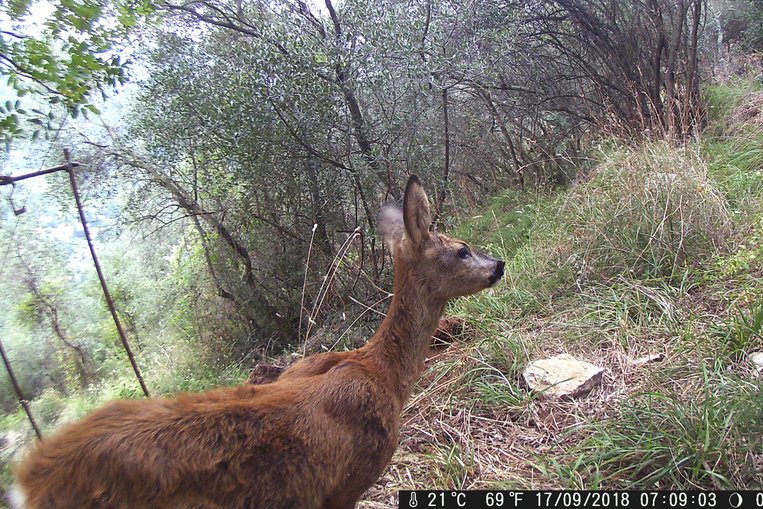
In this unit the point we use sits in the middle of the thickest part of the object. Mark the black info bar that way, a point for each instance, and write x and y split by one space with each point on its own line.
489 499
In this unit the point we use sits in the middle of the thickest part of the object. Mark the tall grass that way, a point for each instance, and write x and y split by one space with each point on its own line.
647 212
675 440
733 145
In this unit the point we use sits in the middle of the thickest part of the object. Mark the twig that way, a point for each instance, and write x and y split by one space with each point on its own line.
328 278
304 286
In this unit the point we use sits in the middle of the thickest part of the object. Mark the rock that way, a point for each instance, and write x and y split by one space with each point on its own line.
562 376
757 360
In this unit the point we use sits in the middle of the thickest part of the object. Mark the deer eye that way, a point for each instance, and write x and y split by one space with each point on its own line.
464 253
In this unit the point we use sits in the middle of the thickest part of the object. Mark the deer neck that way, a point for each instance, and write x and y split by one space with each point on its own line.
402 342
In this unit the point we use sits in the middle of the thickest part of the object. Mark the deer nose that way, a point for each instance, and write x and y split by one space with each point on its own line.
498 274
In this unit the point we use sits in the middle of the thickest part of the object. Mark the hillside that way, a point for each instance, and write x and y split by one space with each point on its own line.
656 251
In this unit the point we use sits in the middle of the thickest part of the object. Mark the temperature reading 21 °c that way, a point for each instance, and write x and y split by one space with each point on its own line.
439 499
492 499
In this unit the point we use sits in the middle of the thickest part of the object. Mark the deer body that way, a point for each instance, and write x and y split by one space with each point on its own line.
317 437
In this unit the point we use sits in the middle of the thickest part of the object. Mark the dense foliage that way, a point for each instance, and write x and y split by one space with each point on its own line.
281 127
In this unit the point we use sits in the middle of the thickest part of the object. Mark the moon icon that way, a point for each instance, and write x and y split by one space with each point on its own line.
735 500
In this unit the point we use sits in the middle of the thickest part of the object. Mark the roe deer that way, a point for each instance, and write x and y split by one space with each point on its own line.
317 437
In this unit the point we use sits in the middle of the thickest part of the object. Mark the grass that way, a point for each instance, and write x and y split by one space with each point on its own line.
736 161
647 212
496 375
663 440
456 467
627 308
722 100
741 332
733 146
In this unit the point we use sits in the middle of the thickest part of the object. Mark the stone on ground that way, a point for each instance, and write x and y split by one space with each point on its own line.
562 376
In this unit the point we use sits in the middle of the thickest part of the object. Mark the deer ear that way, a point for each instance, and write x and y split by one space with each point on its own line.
416 214
391 227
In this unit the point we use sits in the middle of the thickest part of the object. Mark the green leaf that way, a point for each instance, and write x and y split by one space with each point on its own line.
17 8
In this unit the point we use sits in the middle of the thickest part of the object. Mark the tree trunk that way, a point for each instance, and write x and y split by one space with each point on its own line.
193 208
440 202
319 217
19 395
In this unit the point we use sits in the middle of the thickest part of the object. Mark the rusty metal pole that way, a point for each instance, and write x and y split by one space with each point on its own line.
101 278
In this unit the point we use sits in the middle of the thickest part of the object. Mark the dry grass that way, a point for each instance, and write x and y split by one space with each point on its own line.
748 113
452 439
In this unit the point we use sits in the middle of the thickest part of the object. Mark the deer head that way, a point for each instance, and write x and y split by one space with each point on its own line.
445 267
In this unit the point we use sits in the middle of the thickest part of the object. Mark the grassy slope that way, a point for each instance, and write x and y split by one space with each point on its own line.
657 251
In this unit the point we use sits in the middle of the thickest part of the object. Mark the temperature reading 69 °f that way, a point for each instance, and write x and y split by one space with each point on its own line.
503 498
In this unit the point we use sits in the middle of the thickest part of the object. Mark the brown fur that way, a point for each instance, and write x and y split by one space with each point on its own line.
317 437
447 331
